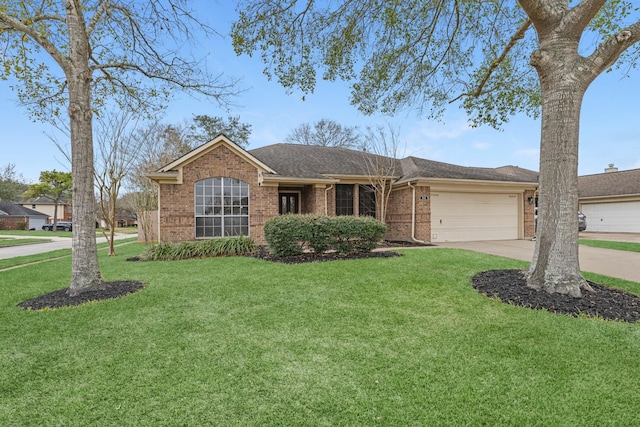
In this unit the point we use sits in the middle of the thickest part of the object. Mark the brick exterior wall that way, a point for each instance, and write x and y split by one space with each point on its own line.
177 211
14 222
399 215
529 215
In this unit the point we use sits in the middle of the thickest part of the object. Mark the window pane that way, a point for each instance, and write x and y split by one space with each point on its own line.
221 207
367 200
344 199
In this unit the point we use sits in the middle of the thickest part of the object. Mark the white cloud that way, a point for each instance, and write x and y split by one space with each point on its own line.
527 153
434 131
482 145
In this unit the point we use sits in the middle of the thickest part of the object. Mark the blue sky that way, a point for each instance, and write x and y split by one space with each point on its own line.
610 131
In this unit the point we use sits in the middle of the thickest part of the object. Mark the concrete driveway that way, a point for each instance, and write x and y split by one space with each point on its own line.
613 263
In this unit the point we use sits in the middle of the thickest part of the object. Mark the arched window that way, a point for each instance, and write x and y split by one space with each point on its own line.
222 207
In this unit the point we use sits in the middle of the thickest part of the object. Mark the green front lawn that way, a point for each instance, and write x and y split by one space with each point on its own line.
240 341
7 241
36 233
606 244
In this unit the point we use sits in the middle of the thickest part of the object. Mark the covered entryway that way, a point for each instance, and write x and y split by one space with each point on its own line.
459 217
615 217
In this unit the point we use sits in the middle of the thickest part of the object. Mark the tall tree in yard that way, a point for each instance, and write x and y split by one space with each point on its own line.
495 58
86 53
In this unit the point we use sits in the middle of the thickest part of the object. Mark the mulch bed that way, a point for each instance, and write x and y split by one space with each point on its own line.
331 256
61 297
603 302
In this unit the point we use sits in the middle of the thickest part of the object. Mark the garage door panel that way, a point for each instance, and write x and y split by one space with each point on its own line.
473 216
618 217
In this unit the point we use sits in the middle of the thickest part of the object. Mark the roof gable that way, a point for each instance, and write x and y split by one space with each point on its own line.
172 172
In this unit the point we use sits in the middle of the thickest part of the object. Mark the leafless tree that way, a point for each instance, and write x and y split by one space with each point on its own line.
326 133
117 152
380 154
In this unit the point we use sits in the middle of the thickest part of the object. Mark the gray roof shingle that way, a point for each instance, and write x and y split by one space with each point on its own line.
610 184
11 209
309 161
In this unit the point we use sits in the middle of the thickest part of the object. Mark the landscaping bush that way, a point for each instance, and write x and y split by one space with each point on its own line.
357 234
285 234
289 235
199 249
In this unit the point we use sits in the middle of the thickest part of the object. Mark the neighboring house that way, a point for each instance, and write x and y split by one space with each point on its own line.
611 200
220 189
16 217
45 205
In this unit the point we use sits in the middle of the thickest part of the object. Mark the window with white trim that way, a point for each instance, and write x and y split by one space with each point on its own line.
221 207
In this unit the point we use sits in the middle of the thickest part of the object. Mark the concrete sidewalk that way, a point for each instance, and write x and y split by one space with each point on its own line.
609 262
38 248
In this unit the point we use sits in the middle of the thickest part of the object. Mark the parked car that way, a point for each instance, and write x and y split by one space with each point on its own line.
582 221
60 226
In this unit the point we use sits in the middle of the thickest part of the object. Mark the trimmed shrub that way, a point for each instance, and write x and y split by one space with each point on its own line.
289 235
285 234
357 234
199 249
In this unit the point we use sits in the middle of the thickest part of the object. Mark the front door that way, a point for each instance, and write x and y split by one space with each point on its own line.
289 203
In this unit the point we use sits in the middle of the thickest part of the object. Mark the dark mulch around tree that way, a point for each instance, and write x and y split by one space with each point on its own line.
61 297
330 256
604 302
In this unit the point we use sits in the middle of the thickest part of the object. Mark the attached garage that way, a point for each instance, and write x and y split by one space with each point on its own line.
611 200
614 217
460 216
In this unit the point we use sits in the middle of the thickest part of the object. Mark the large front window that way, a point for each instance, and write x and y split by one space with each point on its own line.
367 199
344 199
222 207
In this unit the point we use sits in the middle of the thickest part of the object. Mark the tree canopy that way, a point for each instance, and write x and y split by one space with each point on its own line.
205 128
12 184
414 54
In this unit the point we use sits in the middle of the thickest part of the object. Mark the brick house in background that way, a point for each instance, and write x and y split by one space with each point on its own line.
45 205
220 189
16 217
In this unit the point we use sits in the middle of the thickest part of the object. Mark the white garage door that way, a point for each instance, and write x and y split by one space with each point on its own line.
36 223
459 217
619 217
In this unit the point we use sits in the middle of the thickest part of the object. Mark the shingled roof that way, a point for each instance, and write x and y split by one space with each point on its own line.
313 161
623 183
11 209
317 162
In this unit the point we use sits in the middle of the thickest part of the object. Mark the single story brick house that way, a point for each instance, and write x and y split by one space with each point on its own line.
611 200
221 189
16 217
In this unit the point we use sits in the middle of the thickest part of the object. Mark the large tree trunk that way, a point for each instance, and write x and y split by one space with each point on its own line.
555 266
85 271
